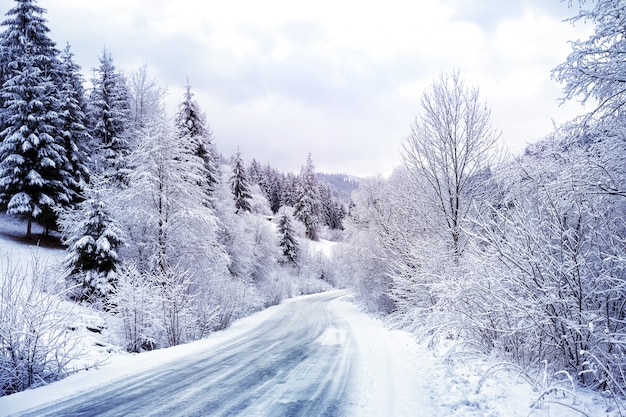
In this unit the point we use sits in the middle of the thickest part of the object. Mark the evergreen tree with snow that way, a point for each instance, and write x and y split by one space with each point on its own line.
273 188
73 121
332 211
109 117
289 189
308 207
93 237
33 160
240 185
192 126
288 241
255 173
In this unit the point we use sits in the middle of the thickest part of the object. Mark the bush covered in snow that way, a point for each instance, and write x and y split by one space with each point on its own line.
36 343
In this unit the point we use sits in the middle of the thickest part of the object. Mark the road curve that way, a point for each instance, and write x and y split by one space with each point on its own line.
299 362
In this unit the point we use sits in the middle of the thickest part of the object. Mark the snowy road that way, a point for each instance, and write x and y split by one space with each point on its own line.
311 356
298 362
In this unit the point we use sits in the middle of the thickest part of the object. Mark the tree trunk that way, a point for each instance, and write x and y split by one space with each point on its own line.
29 226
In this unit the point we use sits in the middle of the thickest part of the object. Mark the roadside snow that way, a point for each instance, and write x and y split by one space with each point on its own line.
400 377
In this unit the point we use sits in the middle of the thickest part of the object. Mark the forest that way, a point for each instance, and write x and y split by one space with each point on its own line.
160 228
521 258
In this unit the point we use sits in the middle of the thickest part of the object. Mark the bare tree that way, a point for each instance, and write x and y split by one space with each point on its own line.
146 97
450 148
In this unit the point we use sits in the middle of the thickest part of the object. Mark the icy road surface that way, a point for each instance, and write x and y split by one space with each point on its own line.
312 356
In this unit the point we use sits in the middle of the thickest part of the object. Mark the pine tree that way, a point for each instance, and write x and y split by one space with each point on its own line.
308 208
287 236
109 113
191 125
255 173
289 190
93 237
73 120
33 179
240 185
273 187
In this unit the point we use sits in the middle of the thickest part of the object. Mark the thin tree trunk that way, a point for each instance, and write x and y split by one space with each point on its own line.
29 226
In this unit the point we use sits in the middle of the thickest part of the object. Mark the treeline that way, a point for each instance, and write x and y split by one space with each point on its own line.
161 230
523 259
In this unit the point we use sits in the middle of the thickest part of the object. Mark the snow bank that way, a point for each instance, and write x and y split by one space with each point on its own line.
400 377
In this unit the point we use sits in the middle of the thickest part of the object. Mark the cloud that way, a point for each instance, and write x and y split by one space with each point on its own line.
340 79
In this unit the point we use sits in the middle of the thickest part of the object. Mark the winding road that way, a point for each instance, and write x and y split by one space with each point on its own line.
300 361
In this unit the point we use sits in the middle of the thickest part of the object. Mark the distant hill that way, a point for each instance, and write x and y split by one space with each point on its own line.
341 185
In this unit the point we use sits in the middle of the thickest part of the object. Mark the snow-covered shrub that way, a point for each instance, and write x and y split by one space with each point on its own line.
136 301
36 344
552 270
234 298
157 308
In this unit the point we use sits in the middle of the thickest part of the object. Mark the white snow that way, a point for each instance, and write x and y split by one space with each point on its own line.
396 375
323 246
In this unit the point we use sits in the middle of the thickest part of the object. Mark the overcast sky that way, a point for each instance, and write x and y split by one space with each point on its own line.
341 79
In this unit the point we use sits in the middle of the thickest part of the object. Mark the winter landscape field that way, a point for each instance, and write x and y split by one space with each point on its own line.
312 355
143 272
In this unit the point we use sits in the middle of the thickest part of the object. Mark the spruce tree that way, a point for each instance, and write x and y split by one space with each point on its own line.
240 185
73 120
93 237
33 161
288 241
193 129
109 114
308 208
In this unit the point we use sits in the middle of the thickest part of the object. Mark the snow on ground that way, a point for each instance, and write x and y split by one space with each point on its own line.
324 247
396 377
14 252
400 377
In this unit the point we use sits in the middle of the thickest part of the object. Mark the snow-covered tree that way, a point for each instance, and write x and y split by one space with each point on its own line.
288 241
33 160
93 238
273 188
145 97
193 128
240 185
73 121
307 204
596 67
109 116
332 211
171 224
451 145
